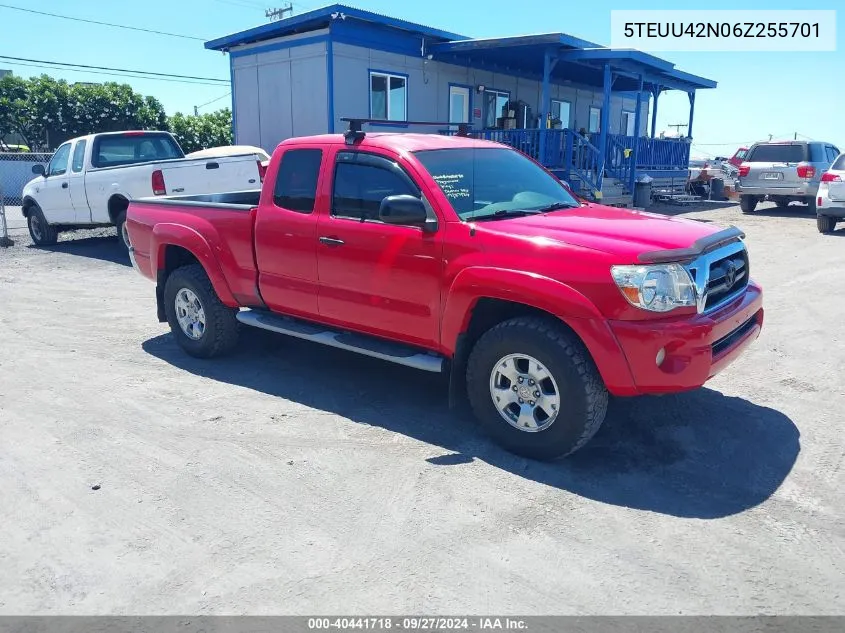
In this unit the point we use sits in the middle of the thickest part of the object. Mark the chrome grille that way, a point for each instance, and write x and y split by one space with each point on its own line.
727 277
712 272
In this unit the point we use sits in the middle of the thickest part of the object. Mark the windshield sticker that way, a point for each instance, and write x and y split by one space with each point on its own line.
449 184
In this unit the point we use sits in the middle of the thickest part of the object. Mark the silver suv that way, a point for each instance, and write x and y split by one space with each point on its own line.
783 172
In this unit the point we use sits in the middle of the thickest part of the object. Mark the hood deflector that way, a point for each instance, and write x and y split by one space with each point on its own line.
699 247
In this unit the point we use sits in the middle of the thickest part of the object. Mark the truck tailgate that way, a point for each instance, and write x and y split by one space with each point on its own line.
212 175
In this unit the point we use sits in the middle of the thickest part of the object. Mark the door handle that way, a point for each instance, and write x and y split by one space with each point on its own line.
64 185
331 241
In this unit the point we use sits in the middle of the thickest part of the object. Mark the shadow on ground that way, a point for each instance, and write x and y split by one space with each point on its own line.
104 248
700 454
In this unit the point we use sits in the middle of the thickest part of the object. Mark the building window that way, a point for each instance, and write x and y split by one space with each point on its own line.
388 96
296 184
495 104
595 120
560 110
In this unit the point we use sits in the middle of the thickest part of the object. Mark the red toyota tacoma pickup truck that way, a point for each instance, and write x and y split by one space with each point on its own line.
451 254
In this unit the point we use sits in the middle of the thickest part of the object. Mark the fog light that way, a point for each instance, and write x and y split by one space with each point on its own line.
661 356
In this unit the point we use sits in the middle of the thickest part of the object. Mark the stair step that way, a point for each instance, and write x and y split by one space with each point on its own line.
352 342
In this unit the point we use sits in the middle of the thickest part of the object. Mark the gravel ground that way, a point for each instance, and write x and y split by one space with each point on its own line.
293 479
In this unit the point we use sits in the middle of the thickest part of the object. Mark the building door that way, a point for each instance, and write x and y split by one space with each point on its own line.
629 121
458 105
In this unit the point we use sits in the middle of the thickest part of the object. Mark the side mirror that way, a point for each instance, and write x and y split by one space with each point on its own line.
38 170
403 209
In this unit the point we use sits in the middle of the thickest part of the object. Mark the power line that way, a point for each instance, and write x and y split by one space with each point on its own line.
212 101
125 76
117 26
123 70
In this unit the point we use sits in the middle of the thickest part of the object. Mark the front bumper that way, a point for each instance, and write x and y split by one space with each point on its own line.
696 348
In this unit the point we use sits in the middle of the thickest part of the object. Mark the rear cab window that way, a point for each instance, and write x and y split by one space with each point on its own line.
296 182
78 156
778 153
132 148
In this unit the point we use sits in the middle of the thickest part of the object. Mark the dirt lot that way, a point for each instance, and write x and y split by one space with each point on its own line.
296 479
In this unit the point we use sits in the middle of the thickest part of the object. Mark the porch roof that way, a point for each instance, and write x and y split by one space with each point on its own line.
578 61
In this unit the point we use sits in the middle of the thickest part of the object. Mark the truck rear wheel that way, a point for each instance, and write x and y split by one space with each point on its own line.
203 326
825 223
42 234
122 234
534 388
747 203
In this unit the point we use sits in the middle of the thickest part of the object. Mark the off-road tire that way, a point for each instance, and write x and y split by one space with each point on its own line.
120 223
825 223
221 327
583 395
747 204
44 234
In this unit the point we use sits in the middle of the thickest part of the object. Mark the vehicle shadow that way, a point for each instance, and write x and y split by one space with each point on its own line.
105 248
796 211
696 455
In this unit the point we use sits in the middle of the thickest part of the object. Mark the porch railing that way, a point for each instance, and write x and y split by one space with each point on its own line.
570 152
654 153
584 161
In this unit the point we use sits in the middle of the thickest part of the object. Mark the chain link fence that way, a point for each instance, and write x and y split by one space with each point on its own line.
15 172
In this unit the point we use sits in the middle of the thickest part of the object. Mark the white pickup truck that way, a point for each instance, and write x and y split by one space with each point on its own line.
90 180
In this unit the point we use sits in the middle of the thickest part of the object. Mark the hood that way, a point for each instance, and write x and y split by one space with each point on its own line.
624 233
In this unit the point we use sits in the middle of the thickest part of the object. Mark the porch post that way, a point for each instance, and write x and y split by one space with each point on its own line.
605 121
656 92
545 105
636 149
691 96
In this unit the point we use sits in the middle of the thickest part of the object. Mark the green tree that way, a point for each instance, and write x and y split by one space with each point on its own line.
47 112
195 132
17 111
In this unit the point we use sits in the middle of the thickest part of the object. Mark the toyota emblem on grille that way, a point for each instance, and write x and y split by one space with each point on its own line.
730 274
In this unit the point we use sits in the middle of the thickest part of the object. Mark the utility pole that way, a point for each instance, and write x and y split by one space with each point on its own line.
770 136
678 127
795 136
278 14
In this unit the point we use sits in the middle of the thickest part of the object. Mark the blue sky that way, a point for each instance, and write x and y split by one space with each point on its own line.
758 94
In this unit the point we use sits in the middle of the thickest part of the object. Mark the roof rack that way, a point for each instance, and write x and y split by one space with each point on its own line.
354 133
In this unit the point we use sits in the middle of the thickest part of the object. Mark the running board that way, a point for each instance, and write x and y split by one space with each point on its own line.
360 343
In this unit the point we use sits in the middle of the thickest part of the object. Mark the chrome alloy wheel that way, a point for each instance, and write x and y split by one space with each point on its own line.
124 235
35 227
190 314
524 393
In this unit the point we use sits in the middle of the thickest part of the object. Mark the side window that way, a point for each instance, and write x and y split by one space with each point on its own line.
362 181
58 164
296 184
78 157
818 153
832 153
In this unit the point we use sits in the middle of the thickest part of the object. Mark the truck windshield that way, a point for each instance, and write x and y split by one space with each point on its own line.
494 182
130 148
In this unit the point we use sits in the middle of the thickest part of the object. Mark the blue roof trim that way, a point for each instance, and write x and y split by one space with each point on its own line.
320 18
541 39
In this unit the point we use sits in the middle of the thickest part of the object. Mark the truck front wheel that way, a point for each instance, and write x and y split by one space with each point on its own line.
202 325
42 234
534 388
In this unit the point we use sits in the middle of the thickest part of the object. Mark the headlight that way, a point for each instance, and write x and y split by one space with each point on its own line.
658 288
